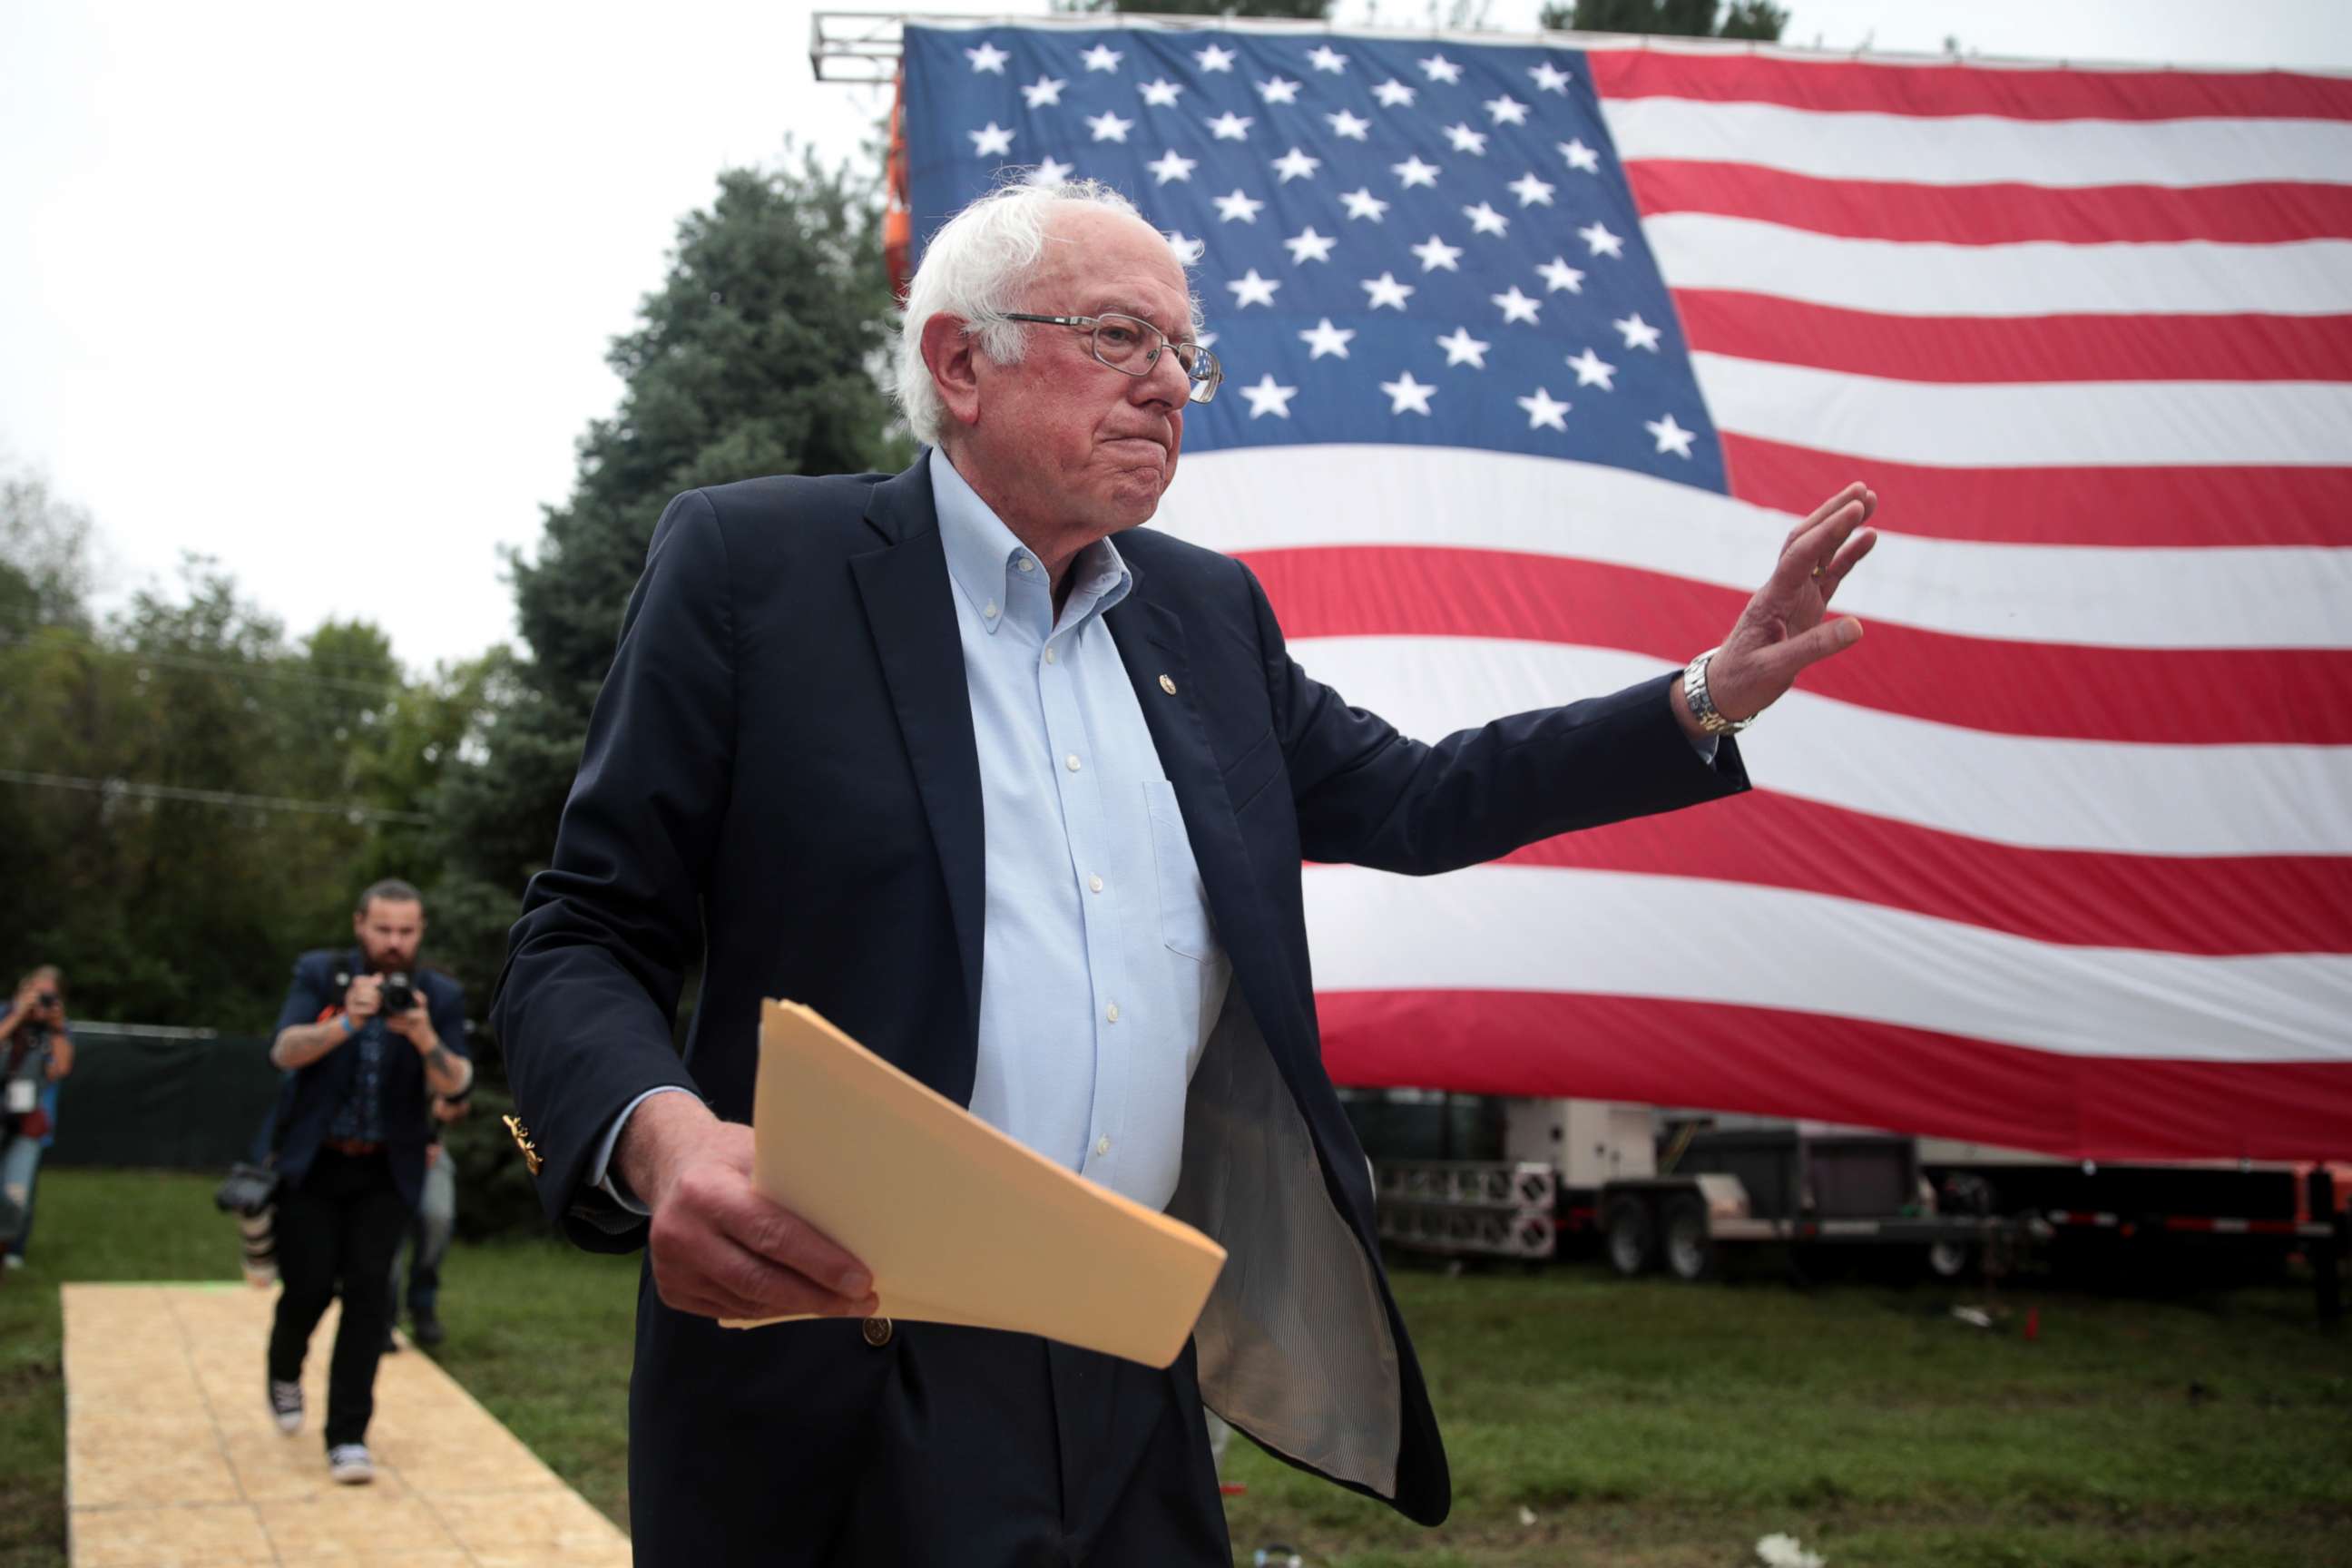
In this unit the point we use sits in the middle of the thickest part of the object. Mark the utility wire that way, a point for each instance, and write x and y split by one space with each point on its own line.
221 666
211 797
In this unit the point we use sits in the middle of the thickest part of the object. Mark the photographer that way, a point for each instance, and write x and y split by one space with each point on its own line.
369 1037
35 1051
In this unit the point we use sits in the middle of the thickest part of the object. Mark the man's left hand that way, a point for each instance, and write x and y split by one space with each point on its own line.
1783 630
417 1024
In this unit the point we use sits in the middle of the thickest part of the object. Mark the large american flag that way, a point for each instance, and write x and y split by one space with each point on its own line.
1533 354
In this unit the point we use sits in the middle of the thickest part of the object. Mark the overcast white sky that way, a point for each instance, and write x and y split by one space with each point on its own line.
324 291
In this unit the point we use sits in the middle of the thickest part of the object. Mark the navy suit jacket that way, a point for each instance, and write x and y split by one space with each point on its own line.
308 1105
780 784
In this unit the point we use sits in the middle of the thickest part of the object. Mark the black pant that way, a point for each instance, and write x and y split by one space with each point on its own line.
342 1222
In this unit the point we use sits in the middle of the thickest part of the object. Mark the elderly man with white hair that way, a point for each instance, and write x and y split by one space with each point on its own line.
1017 792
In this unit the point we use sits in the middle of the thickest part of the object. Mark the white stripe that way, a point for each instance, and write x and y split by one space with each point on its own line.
2025 425
1271 498
1527 927
2025 790
2038 277
1980 149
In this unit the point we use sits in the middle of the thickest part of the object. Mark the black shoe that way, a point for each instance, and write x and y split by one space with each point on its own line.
428 1329
286 1405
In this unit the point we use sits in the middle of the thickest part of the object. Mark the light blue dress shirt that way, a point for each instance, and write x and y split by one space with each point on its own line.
1101 975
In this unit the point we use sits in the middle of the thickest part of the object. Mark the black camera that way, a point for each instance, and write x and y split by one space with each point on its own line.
399 994
45 1000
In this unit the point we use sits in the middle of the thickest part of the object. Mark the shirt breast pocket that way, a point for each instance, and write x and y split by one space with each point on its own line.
1184 923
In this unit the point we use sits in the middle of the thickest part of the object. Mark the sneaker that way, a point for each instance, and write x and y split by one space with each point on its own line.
426 1326
348 1465
286 1404
11 1260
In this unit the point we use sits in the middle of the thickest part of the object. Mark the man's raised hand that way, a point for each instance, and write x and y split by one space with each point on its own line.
1784 628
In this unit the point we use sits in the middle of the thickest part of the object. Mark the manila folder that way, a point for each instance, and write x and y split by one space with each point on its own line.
957 1223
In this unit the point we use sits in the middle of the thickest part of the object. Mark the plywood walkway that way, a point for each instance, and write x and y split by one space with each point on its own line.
171 1457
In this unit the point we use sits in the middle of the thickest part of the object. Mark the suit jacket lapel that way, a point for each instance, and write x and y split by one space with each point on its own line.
906 592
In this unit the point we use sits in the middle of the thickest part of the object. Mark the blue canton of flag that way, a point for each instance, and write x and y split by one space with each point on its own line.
1397 243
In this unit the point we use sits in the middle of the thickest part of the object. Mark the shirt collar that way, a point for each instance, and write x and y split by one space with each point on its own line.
984 558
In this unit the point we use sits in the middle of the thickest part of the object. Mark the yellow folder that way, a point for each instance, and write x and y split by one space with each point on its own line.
957 1223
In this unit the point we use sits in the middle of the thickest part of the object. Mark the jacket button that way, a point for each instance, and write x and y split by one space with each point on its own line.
877 1331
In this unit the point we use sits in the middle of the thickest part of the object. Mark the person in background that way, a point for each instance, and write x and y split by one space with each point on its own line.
427 1239
35 1052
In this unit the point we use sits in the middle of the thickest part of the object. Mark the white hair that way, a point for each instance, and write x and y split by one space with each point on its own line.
975 266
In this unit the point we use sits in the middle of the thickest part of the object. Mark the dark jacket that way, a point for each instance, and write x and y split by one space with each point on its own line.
780 783
309 1105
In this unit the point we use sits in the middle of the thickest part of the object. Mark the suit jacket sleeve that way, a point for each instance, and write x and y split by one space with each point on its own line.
583 1010
1367 795
308 996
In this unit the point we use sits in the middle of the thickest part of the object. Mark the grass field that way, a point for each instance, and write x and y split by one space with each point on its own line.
1647 1425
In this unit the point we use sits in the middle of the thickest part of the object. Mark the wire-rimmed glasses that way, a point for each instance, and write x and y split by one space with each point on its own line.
1133 346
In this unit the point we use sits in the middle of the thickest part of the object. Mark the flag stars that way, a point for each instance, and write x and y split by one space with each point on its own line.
1361 203
1407 396
1267 397
1238 208
1281 89
987 58
1296 165
1385 290
1213 58
1544 413
1579 156
1638 334
1558 275
1672 438
1550 77
1323 338
1230 127
1307 246
1530 190
1187 251
1413 172
991 139
1517 307
1484 219
1437 67
1327 58
1101 57
1591 370
1604 243
1393 94
1507 110
1109 127
1435 253
1461 348
1172 165
1045 90
1348 126
1465 140
1160 94
1251 290
1050 172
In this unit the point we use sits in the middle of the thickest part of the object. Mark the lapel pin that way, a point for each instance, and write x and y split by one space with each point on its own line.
1168 686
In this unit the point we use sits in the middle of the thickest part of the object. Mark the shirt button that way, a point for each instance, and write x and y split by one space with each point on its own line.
1111 1012
1071 762
1095 883
1027 564
1049 656
1102 1145
989 609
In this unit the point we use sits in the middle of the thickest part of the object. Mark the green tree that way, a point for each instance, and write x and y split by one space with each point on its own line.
1307 10
1758 19
759 355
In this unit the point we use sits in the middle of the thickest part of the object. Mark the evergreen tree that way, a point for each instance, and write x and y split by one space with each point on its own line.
1758 19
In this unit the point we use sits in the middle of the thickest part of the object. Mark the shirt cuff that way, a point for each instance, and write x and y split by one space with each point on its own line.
1705 746
601 1176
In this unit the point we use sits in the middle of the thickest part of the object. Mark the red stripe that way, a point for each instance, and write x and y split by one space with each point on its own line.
1775 1063
2255 213
1852 86
2142 507
1979 348
2160 696
2210 905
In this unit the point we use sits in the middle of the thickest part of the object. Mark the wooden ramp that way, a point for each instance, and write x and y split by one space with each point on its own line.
171 1457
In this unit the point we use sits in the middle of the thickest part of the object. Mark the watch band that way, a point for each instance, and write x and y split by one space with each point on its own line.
1702 706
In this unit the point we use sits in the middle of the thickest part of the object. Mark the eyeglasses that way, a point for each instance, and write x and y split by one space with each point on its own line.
1133 347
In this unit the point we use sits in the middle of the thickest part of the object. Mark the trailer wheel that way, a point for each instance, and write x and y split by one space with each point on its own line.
1633 1238
1950 1259
1689 1249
